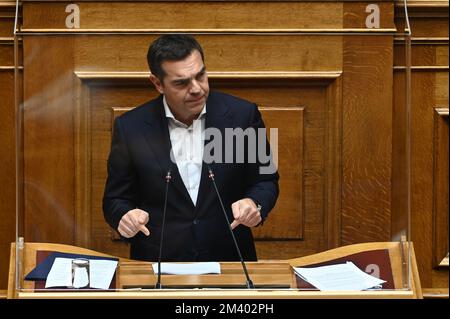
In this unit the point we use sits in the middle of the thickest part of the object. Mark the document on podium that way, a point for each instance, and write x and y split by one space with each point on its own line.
100 274
200 268
339 277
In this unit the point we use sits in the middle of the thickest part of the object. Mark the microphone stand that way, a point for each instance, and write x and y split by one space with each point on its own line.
168 178
249 281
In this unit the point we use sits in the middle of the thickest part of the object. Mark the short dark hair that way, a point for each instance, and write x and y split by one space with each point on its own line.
170 47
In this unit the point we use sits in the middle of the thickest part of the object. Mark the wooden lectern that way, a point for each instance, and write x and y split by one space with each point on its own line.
272 278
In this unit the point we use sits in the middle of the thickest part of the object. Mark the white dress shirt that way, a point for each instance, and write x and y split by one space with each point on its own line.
187 148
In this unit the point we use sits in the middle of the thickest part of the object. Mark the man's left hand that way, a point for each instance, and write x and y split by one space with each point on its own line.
245 212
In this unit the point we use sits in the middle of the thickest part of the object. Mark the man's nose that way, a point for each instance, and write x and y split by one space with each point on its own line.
195 87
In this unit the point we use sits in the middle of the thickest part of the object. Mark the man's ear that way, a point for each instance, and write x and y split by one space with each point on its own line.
157 83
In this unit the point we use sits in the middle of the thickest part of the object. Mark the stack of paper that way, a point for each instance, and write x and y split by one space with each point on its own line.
188 268
339 277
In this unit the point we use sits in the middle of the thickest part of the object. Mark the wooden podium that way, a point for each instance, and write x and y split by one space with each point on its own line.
272 278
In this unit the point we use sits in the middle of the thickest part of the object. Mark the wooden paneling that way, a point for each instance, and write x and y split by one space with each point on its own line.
367 140
429 139
440 189
7 169
49 139
185 15
288 217
222 53
7 26
7 139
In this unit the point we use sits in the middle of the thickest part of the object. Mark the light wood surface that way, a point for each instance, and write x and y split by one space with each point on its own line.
135 279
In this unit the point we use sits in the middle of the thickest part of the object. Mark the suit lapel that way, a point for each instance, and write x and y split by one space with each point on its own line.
156 133
217 116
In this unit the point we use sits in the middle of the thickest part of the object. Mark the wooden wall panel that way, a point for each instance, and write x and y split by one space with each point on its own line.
49 140
164 15
286 222
367 138
222 53
440 188
7 27
7 171
7 140
429 93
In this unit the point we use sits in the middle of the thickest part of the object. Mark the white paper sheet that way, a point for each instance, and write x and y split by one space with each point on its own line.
188 268
101 273
60 274
338 277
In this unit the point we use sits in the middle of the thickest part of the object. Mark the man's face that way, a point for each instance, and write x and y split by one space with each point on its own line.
185 86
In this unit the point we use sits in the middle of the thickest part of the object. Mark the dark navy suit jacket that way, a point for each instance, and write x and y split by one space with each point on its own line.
137 166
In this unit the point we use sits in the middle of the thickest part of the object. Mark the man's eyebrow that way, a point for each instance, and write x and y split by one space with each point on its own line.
181 80
184 80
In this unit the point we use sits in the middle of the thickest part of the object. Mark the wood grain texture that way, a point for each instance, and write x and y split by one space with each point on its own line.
7 170
7 140
426 53
429 90
222 53
440 187
48 140
287 220
422 172
367 138
185 15
429 21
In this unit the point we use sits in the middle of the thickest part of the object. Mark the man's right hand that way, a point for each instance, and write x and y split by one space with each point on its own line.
133 222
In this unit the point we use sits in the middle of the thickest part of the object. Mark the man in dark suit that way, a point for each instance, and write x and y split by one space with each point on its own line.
169 134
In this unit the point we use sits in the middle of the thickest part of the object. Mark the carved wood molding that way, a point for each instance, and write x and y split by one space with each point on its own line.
8 4
423 8
228 31
10 68
423 41
142 77
425 3
444 262
371 1
423 68
442 111
6 40
440 185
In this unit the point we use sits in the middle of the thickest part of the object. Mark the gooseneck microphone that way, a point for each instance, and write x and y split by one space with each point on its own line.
168 178
249 281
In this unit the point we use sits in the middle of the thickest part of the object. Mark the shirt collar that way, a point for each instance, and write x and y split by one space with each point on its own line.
170 115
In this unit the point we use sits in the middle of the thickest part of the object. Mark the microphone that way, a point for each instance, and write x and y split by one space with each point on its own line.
168 178
249 281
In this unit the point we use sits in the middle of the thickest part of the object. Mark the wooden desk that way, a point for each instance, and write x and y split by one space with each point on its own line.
133 277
